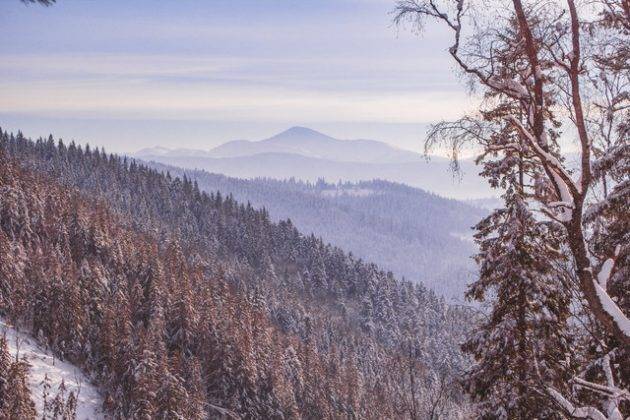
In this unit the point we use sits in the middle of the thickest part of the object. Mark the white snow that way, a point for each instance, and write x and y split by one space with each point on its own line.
43 363
559 176
578 412
566 213
355 192
509 85
612 309
604 273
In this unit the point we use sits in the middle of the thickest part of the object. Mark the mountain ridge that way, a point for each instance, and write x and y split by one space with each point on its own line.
309 155
301 141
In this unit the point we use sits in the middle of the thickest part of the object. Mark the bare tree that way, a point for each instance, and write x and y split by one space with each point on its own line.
548 69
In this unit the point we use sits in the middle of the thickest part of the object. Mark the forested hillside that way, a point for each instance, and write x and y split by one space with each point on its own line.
417 235
182 303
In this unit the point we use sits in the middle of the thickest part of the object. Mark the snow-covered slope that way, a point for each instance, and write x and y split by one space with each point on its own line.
43 363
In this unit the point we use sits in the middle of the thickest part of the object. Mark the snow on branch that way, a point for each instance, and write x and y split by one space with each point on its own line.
611 308
565 185
601 389
546 157
610 379
611 393
605 272
508 86
223 411
577 412
566 212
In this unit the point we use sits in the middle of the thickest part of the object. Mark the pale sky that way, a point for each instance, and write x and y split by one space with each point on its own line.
132 74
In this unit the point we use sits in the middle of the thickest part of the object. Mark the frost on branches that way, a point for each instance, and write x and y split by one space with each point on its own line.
545 70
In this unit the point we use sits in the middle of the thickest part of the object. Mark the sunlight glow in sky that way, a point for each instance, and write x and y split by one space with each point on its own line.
127 75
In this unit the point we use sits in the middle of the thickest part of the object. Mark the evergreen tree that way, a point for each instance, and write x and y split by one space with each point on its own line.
525 341
164 295
15 396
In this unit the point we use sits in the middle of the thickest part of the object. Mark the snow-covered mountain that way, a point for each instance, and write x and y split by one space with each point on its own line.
310 143
300 141
308 155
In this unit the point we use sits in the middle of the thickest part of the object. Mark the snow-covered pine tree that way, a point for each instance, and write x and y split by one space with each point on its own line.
524 342
63 406
173 399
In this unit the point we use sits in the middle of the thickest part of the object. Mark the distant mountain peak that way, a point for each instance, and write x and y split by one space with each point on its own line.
298 132
300 142
301 129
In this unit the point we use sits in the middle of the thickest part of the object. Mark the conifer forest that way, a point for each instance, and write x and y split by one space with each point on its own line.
151 270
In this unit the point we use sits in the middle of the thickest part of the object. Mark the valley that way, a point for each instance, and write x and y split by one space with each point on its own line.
416 235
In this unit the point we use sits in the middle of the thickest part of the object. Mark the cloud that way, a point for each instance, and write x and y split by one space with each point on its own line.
181 100
244 61
109 85
333 73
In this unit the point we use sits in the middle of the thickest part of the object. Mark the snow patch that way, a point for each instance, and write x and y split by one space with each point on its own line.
42 363
355 192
